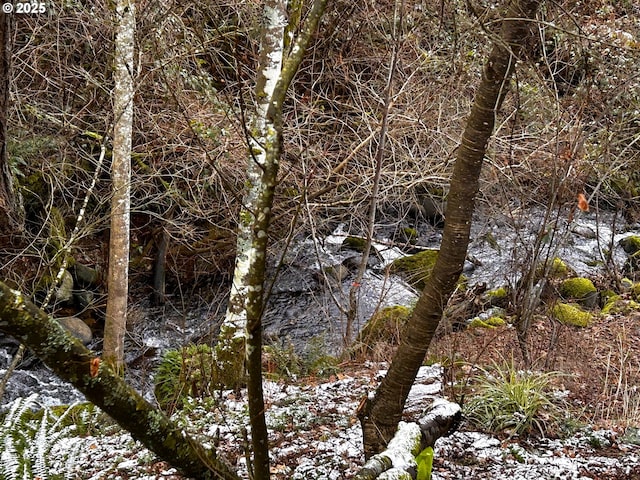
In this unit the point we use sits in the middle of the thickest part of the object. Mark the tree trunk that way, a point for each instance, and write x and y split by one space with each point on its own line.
246 302
380 415
412 438
118 276
8 210
74 363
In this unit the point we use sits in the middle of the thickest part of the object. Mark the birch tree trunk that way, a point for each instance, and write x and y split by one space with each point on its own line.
380 416
74 363
118 275
242 327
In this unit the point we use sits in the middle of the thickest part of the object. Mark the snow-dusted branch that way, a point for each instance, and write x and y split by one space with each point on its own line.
399 459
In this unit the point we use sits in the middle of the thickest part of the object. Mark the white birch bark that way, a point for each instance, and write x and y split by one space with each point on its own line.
262 133
116 315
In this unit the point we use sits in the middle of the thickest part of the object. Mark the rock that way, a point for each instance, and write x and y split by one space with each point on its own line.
558 269
630 244
580 289
571 315
83 298
77 328
84 276
336 273
64 291
415 268
617 304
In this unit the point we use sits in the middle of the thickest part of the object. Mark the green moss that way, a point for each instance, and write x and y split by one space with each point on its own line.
577 288
385 324
500 292
630 244
411 234
354 243
491 322
627 284
498 297
415 269
571 315
558 269
617 305
635 291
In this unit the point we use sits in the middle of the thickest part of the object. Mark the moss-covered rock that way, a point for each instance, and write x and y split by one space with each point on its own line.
557 270
385 325
630 244
571 315
354 243
618 305
581 289
84 276
336 273
415 269
491 322
498 297
410 235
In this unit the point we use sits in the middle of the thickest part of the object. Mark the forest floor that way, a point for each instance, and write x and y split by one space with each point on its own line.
315 435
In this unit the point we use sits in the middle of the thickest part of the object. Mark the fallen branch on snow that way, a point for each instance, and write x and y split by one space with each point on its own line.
398 460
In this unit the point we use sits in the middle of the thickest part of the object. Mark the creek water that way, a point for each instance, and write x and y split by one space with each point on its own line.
311 294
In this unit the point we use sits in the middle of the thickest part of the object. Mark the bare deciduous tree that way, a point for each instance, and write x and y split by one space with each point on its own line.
380 416
116 315
244 317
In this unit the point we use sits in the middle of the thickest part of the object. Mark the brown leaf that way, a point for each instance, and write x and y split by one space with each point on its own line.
582 203
94 367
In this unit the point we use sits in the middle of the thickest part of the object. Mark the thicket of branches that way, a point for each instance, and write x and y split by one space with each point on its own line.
575 128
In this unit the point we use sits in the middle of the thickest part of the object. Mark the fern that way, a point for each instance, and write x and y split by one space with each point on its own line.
11 462
29 442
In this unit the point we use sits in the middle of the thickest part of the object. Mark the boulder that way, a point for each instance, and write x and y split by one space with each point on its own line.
580 289
77 328
85 277
64 291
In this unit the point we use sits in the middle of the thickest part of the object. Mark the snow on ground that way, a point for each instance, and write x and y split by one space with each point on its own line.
315 435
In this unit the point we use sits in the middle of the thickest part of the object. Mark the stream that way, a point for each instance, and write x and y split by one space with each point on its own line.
311 294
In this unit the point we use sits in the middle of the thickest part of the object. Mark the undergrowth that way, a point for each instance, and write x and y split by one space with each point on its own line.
513 401
30 437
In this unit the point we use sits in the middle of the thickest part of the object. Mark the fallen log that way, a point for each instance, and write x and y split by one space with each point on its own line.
70 360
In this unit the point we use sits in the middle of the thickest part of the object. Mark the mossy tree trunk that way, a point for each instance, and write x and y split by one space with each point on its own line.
74 363
243 322
380 415
9 222
118 275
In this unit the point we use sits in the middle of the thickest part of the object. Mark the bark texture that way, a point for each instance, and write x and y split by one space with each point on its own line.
74 363
380 416
412 438
246 302
8 208
118 276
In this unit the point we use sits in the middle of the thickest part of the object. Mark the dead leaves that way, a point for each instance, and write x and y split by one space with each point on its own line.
94 367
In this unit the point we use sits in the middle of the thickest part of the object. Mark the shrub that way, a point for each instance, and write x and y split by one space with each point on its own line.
41 444
185 372
514 401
